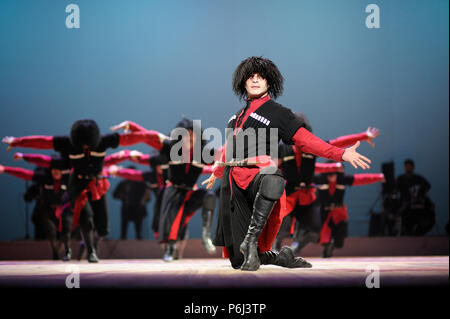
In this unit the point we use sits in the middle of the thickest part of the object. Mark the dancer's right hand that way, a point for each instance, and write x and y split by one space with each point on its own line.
210 181
10 141
113 169
125 125
18 156
2 169
135 155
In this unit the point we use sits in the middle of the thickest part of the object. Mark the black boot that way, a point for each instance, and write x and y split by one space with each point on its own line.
88 238
207 218
171 250
298 245
92 257
81 251
68 255
249 248
328 250
285 258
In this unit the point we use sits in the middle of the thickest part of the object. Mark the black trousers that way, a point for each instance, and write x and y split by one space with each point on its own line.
171 203
307 219
134 214
241 214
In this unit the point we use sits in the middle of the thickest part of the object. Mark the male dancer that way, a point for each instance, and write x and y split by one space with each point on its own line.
248 193
86 149
53 185
331 188
181 198
298 169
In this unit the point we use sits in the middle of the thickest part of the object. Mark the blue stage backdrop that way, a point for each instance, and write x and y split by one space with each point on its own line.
154 61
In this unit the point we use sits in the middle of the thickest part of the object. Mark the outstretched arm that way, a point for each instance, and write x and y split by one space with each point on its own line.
151 138
18 172
366 179
328 168
126 173
116 158
128 126
139 158
33 141
348 140
309 143
36 159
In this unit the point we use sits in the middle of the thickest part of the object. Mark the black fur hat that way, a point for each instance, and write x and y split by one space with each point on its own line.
186 124
265 68
304 119
85 132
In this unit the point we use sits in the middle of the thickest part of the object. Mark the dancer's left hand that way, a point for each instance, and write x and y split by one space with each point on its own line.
210 181
10 141
353 157
372 132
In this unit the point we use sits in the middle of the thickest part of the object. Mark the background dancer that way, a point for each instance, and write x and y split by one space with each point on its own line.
331 190
181 198
248 195
298 169
53 184
86 149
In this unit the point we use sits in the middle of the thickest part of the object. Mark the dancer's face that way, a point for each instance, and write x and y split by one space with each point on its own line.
56 174
188 141
332 178
256 86
409 168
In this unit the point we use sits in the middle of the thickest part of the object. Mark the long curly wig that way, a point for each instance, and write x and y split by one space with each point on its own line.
265 68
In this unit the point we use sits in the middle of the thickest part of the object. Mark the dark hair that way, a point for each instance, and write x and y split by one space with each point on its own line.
265 68
85 132
409 161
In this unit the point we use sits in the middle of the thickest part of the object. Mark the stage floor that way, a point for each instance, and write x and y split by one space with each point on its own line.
217 273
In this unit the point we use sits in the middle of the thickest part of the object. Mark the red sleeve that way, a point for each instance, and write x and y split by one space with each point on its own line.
349 140
35 141
365 179
116 158
19 172
38 159
130 174
327 167
208 170
309 143
134 127
218 170
151 138
143 159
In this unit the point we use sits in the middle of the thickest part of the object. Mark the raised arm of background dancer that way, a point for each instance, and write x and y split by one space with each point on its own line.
130 174
309 143
151 138
327 168
208 169
128 126
34 141
116 158
18 172
36 159
348 140
143 159
366 179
